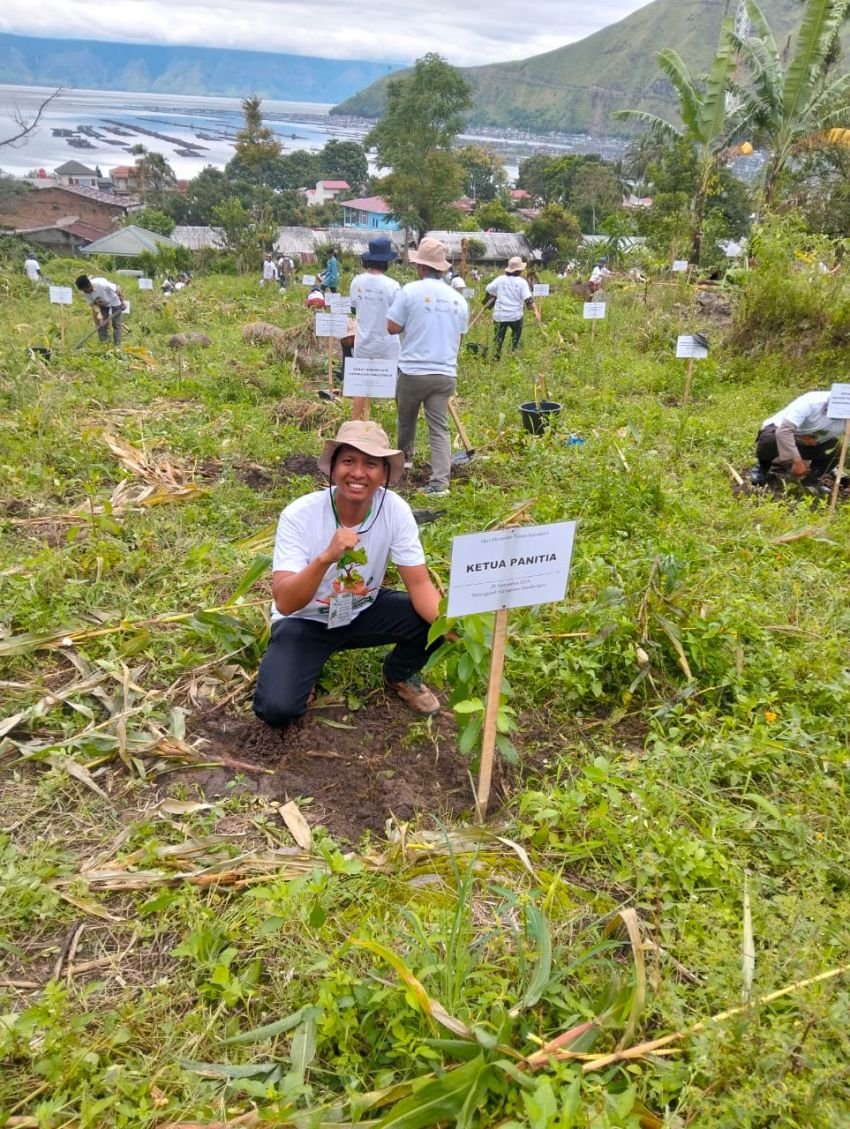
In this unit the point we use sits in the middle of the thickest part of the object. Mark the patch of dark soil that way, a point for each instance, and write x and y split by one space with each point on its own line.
13 507
255 477
358 768
778 486
302 464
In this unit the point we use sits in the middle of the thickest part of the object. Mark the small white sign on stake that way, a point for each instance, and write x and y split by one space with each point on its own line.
540 290
469 293
839 402
308 279
594 311
338 303
680 266
146 284
375 379
126 309
510 568
61 295
691 348
331 325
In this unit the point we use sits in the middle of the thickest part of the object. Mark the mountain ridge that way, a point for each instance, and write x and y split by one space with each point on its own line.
147 68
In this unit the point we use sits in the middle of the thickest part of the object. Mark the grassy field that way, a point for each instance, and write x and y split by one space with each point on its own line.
202 922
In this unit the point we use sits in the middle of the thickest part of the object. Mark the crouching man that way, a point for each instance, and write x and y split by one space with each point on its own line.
331 553
802 437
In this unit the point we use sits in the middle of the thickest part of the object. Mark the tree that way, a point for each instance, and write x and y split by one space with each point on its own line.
344 160
596 190
152 219
243 234
484 172
153 175
25 126
555 233
255 142
425 111
705 124
494 216
790 106
534 175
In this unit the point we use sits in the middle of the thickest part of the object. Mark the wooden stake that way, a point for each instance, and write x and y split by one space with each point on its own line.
842 458
689 376
331 365
593 331
494 688
62 324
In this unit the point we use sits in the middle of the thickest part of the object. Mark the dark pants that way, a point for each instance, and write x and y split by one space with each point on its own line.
299 648
114 312
501 328
822 456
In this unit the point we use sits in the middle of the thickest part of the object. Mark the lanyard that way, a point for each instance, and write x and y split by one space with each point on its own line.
361 530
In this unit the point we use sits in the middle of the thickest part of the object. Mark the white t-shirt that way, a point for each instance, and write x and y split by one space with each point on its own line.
808 415
433 318
269 270
305 529
512 292
32 268
371 296
103 293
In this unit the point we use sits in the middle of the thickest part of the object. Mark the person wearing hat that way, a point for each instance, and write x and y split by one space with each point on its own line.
330 555
371 295
507 296
432 319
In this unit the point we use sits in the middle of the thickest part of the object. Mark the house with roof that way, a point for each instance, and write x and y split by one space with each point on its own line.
370 212
123 179
54 206
325 192
67 236
78 175
499 246
129 242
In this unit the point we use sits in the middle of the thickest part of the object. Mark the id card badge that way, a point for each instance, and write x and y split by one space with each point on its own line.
341 609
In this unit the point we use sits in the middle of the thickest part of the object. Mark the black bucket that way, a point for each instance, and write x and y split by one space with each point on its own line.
537 415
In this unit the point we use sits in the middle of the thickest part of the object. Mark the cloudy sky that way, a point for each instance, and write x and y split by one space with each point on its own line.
394 30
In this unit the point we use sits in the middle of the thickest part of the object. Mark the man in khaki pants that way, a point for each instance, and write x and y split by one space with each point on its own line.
432 319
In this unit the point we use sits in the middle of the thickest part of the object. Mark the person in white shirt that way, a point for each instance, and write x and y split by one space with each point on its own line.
802 437
32 268
331 553
107 302
508 295
269 271
432 319
598 275
371 295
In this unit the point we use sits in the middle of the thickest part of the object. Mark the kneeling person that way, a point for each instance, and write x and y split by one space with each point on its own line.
331 553
802 436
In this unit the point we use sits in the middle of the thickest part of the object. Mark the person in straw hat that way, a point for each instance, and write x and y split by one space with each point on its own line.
330 555
432 319
507 296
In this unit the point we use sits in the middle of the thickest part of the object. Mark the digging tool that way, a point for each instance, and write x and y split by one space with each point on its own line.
461 458
107 322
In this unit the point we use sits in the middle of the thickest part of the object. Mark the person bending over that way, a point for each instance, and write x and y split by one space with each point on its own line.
107 302
330 556
801 438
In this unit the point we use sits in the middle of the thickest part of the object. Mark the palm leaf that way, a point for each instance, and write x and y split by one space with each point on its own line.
763 33
657 126
821 22
712 105
670 62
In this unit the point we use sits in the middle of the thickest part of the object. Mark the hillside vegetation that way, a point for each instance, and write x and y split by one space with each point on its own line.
577 87
194 928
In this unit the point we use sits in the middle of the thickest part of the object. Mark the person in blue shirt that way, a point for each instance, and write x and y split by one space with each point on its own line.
329 277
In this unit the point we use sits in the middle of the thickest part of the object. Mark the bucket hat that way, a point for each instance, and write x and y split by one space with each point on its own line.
366 436
381 250
515 264
431 253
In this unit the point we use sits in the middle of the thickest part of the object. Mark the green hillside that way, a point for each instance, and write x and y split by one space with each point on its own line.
576 88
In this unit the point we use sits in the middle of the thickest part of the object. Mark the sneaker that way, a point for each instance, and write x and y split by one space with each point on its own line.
415 695
758 476
435 491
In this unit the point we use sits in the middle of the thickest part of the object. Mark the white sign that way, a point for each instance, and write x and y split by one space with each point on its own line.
338 303
510 568
690 347
61 295
680 265
146 284
469 293
308 279
369 378
540 290
839 402
331 325
593 311
126 309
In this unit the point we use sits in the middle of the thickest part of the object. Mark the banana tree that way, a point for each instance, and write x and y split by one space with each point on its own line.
790 107
706 121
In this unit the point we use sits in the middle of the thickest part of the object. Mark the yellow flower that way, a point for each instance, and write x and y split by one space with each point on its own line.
769 715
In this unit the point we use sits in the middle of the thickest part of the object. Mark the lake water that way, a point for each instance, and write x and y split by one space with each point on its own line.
192 132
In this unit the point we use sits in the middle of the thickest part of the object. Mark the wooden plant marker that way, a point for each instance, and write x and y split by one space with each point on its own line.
593 312
497 570
839 408
331 326
695 348
61 296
